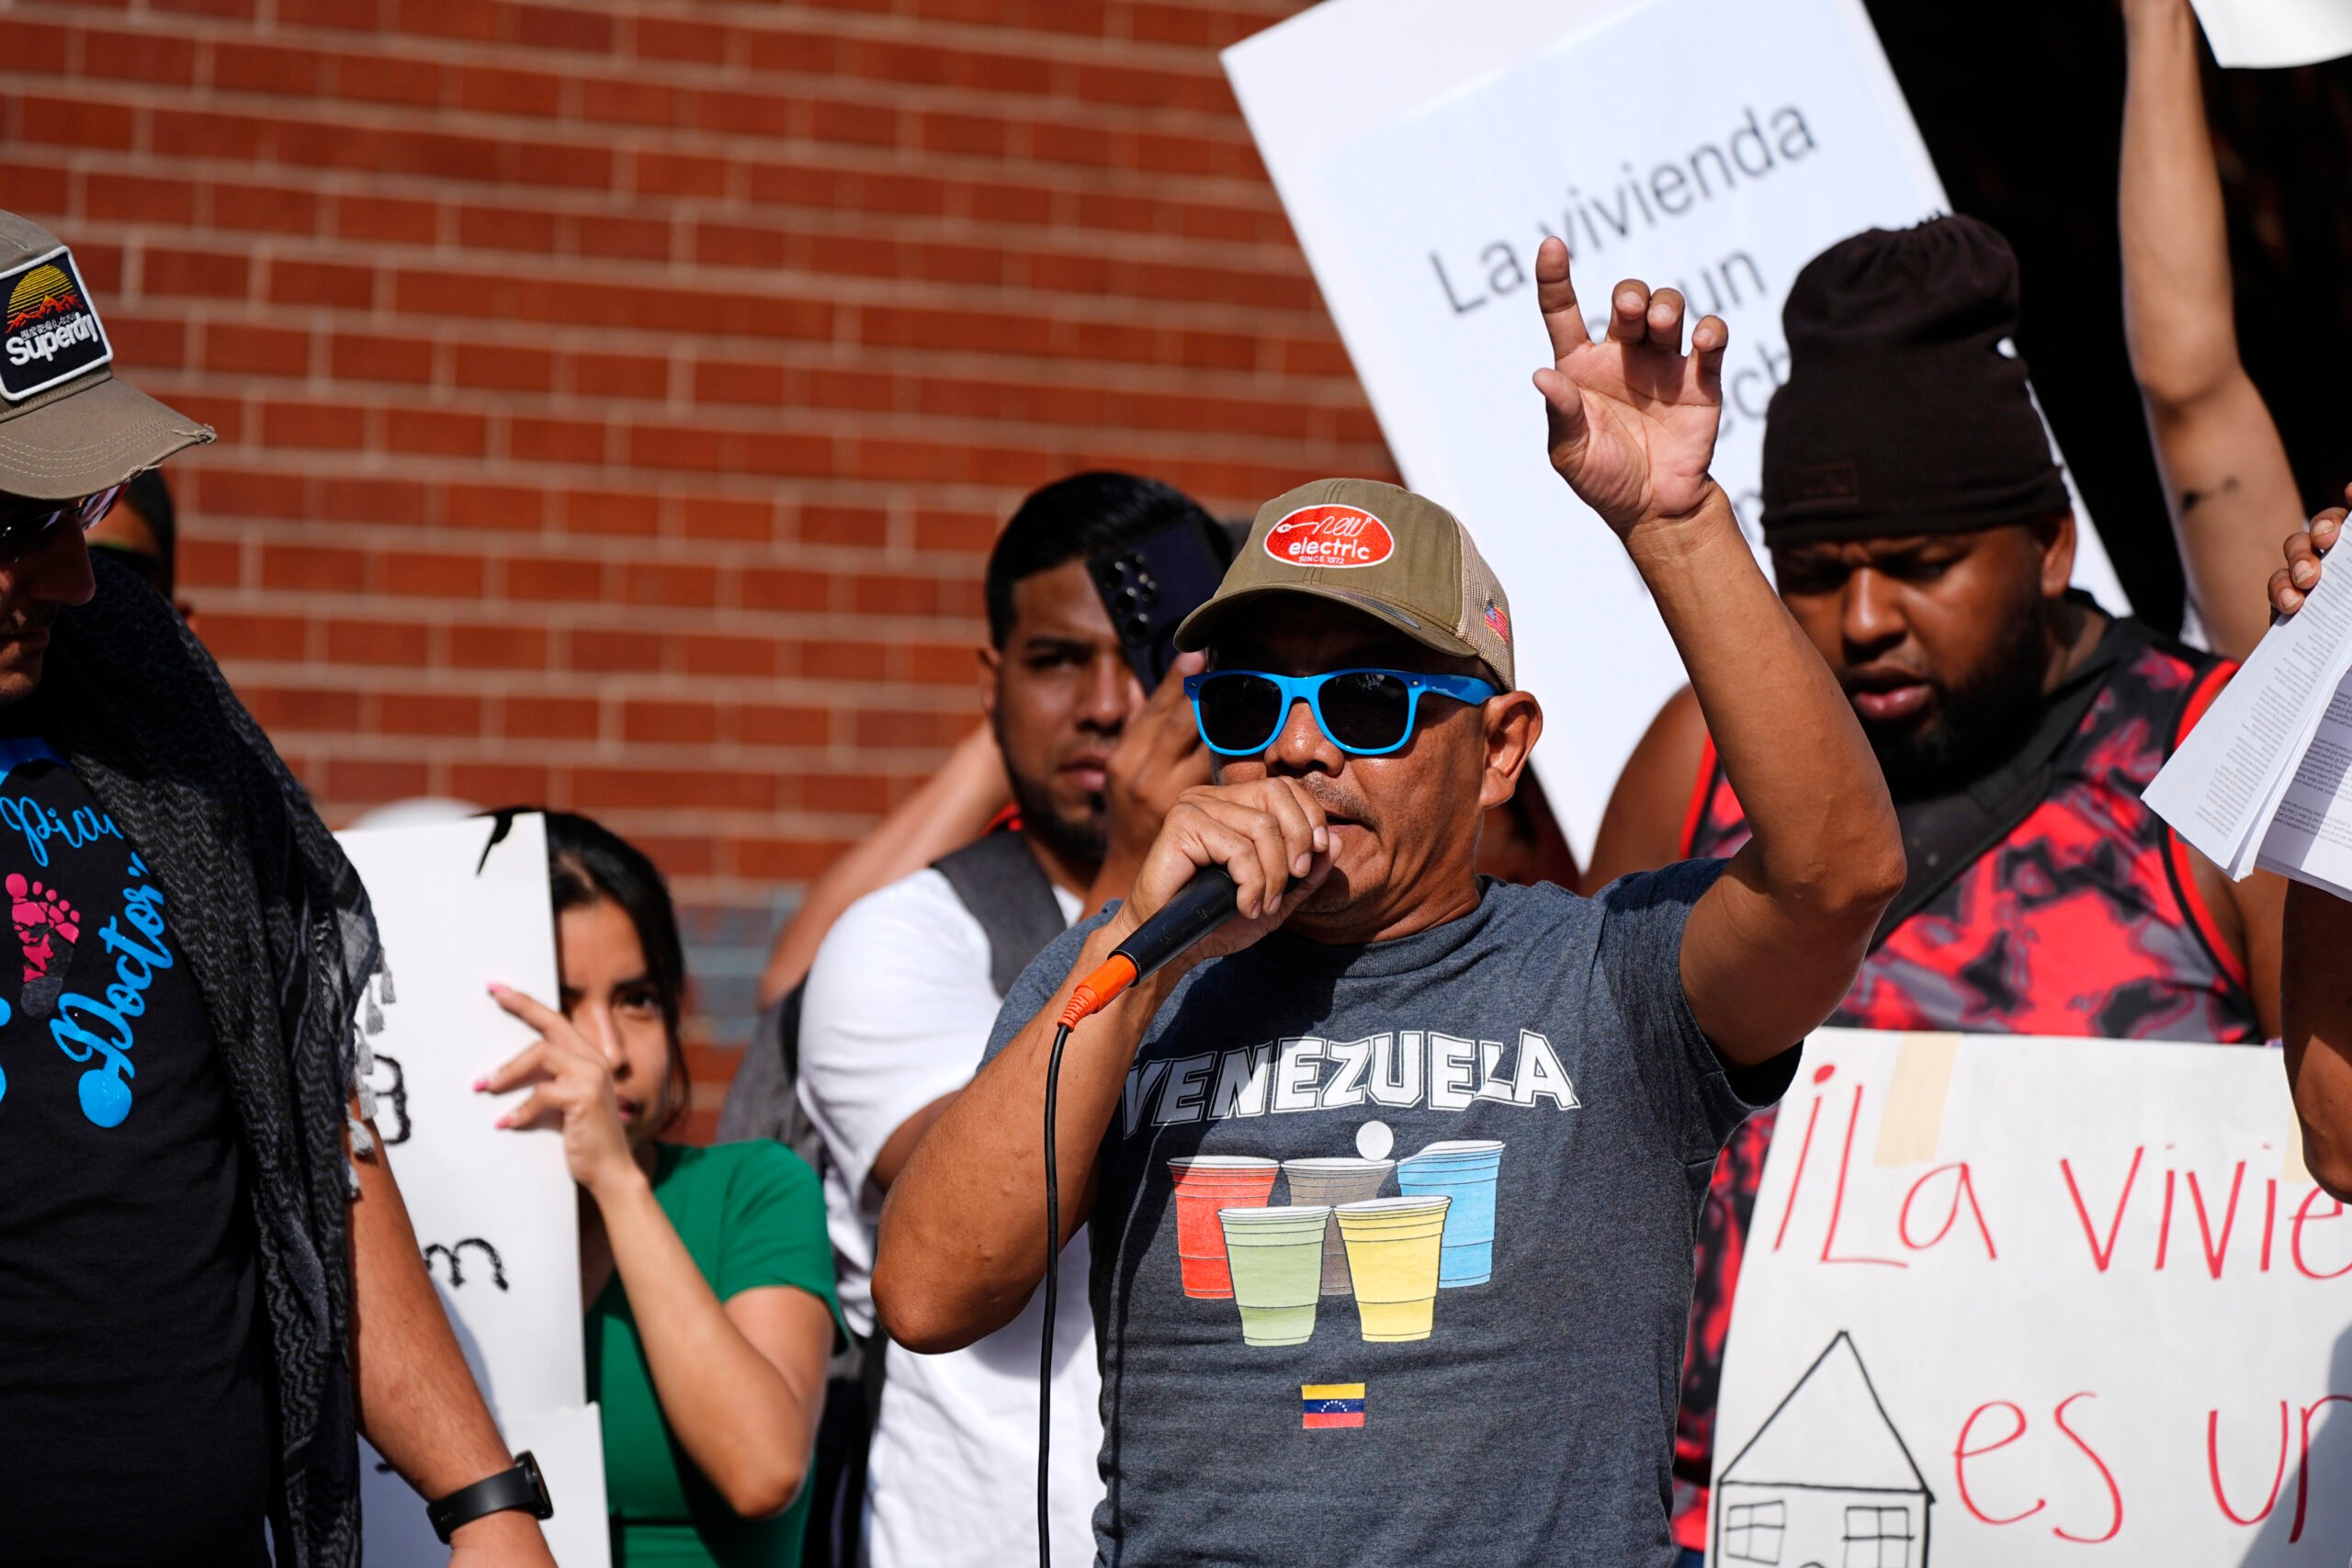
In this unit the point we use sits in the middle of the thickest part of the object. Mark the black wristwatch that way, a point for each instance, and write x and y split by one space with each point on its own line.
519 1487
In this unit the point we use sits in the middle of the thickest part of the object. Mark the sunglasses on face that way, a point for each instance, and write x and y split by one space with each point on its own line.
1365 713
26 525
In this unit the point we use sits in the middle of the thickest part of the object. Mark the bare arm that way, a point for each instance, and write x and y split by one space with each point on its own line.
2247 914
417 1400
1773 946
2226 477
1642 829
2318 1002
963 1241
2315 1001
951 809
740 1382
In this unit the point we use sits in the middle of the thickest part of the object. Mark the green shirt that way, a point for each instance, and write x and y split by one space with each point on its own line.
752 1215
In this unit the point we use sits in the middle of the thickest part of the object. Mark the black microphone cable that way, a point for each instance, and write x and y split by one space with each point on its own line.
1201 906
1053 1279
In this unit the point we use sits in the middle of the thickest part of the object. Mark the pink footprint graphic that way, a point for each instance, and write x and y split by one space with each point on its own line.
47 928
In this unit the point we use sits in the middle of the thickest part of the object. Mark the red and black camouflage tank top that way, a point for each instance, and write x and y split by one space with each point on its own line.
2086 920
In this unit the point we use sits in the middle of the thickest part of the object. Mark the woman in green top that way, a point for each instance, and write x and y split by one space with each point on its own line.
707 1272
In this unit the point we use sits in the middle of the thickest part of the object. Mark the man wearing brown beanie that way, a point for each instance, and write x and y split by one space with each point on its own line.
1922 537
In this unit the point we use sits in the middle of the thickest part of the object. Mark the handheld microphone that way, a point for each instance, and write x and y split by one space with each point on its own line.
1202 905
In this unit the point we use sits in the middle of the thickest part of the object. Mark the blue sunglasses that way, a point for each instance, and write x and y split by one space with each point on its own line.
1365 713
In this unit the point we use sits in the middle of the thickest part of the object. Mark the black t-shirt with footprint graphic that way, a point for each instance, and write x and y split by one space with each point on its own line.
133 1388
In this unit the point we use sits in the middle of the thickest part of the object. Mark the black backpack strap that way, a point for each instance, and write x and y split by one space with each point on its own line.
1008 892
1945 836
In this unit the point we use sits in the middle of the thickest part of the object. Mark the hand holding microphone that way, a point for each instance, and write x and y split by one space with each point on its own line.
1231 862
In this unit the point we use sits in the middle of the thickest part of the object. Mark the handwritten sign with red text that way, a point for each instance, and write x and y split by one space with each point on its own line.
2026 1302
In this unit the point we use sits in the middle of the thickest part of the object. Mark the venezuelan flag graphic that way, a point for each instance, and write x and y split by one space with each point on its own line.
1322 1406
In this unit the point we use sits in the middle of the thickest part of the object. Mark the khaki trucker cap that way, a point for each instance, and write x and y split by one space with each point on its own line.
67 427
1394 555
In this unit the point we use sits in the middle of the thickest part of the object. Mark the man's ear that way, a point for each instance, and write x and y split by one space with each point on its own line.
2055 536
1512 723
992 669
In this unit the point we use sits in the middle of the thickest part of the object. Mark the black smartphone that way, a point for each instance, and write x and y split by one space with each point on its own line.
1148 587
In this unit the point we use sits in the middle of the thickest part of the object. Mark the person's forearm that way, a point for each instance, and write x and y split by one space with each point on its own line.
2228 484
2318 1000
1825 834
2176 315
732 1410
949 810
418 1404
962 1241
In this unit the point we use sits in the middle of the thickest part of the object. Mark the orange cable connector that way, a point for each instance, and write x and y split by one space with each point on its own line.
1094 992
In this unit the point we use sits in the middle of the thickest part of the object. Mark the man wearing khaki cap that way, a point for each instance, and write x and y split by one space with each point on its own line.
206 1291
1394 1178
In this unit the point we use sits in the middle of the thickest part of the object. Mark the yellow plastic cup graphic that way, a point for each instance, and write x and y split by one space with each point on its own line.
1276 1255
1394 1245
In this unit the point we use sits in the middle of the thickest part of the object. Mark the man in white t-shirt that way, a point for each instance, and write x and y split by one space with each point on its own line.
906 986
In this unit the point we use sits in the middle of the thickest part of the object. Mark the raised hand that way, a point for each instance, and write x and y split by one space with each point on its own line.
2290 582
1632 416
572 1090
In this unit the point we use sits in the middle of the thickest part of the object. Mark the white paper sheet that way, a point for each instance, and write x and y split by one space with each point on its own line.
2251 759
2310 836
2276 32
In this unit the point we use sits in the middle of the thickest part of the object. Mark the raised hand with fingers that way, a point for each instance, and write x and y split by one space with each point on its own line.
2292 582
572 1088
1633 415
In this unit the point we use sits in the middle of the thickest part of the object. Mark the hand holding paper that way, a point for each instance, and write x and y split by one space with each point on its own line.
2301 574
2265 780
1632 417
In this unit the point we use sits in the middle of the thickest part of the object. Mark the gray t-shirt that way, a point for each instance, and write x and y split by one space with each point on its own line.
1455 1337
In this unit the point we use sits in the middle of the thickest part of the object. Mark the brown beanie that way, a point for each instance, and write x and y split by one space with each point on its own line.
1901 414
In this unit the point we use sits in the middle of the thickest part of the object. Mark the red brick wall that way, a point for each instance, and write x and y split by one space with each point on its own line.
616 400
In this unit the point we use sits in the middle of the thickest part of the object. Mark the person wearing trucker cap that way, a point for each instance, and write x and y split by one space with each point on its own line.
211 1279
1394 1178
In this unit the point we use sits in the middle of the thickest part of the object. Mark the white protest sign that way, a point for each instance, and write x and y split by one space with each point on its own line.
2276 32
1424 152
495 1211
2038 1302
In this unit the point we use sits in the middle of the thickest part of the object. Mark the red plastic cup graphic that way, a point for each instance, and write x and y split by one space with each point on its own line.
1205 1184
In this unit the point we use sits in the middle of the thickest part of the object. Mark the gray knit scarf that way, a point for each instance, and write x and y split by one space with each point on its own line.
276 930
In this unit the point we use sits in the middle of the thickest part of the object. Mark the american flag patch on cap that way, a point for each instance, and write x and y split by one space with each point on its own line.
1497 622
1327 1404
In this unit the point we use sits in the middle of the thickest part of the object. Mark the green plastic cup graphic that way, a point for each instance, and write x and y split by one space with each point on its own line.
1276 1255
1336 1181
1394 1246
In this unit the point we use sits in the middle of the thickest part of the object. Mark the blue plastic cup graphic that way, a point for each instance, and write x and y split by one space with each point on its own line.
1465 1170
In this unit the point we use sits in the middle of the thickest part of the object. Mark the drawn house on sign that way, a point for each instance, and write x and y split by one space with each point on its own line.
1826 1481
